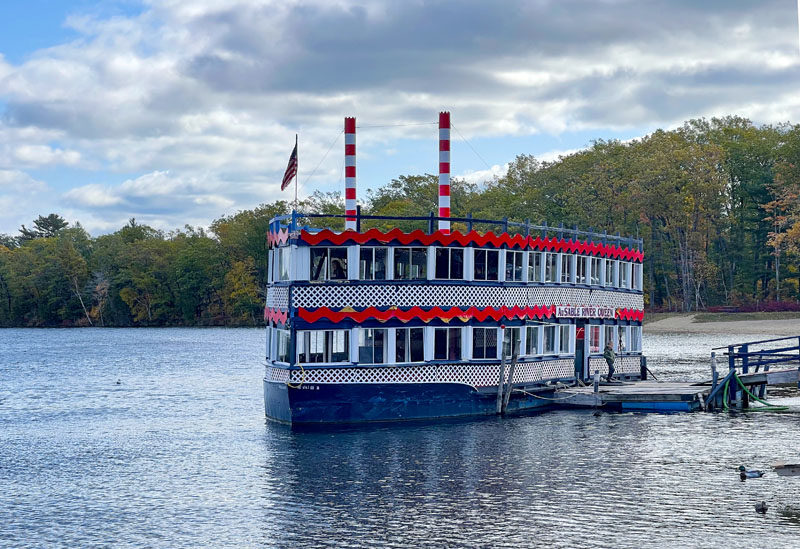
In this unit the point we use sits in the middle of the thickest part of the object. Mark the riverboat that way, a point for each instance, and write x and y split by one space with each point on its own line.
371 325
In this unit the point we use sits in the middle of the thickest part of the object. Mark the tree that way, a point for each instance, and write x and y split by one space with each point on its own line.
7 241
44 227
241 295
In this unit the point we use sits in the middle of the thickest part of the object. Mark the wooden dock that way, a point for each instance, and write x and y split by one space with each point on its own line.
663 396
645 396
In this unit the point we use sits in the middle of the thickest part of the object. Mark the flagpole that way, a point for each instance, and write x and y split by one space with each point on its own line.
297 172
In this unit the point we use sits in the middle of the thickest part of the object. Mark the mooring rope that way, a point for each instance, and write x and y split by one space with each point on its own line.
541 397
302 377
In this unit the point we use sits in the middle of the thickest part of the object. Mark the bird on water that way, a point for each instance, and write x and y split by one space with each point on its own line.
744 474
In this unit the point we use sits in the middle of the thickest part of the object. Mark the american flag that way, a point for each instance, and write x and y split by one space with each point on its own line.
291 169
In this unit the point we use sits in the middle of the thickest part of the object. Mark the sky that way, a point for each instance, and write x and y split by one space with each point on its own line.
179 112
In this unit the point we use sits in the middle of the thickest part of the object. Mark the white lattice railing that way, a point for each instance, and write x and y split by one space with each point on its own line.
476 375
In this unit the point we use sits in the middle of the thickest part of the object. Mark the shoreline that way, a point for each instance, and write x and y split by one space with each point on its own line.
684 324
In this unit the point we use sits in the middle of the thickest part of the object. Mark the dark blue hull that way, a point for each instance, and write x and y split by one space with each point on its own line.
377 402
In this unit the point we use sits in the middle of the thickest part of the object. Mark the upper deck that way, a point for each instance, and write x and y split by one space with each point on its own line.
536 288
384 272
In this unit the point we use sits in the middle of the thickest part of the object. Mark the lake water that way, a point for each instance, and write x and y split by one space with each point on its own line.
179 455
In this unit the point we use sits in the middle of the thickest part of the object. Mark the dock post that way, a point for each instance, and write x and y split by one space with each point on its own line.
500 383
732 397
643 368
510 383
596 381
745 358
714 374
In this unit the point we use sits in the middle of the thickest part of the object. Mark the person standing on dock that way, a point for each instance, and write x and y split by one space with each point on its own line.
609 355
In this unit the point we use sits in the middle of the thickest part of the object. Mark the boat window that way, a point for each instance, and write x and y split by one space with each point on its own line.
283 339
535 267
594 339
271 263
284 260
486 265
595 271
514 266
582 270
410 344
447 343
636 339
269 342
372 264
450 263
533 346
623 339
372 346
610 272
328 264
609 335
566 268
484 343
564 339
511 341
410 263
549 340
637 276
320 346
624 275
550 266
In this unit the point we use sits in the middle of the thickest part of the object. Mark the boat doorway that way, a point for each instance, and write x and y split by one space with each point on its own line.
581 366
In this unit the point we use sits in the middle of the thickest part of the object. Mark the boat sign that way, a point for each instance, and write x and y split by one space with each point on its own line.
584 311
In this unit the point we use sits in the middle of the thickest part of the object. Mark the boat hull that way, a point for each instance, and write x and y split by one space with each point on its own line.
349 403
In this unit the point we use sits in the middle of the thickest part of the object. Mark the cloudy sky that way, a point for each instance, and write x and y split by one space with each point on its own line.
177 111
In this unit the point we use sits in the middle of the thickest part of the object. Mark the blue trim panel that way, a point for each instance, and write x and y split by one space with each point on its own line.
666 406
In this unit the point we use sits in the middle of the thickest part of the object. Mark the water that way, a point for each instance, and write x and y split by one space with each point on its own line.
179 455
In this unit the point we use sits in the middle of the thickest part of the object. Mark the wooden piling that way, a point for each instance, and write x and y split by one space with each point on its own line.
510 382
500 383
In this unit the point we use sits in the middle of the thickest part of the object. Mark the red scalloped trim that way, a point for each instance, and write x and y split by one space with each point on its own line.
276 238
630 314
474 237
277 316
417 313
437 313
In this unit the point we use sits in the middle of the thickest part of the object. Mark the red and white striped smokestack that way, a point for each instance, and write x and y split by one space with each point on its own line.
350 173
444 171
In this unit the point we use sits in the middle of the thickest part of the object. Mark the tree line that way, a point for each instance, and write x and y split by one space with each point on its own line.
717 203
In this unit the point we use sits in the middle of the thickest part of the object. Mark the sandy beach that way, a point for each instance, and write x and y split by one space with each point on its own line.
685 324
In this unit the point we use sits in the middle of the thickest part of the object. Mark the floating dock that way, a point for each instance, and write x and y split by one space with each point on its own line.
747 378
647 396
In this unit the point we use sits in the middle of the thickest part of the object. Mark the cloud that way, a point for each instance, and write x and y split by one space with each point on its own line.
43 155
198 100
154 197
482 176
20 197
13 180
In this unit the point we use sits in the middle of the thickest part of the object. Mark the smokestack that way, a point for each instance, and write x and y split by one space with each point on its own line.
444 171
350 173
